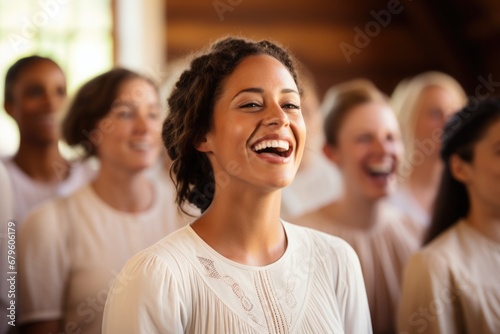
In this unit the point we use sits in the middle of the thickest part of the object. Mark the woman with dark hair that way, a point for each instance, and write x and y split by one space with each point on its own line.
452 286
71 249
34 96
236 134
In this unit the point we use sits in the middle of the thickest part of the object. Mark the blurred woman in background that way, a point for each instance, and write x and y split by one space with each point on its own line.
74 247
452 285
363 140
35 94
423 104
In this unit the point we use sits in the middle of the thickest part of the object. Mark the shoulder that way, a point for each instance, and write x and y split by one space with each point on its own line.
324 244
313 219
437 257
49 216
168 254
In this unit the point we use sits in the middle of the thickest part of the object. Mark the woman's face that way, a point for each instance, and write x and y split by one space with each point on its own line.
128 138
368 150
38 94
258 132
482 176
433 108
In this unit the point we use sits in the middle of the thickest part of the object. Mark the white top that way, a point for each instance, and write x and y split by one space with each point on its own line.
313 187
407 203
453 285
28 193
72 249
6 207
383 251
182 285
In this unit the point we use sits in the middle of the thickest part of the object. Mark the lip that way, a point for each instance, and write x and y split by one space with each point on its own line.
383 179
273 158
140 146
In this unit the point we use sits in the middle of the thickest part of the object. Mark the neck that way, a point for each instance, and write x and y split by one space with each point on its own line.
124 191
42 163
485 219
427 174
423 183
355 211
244 226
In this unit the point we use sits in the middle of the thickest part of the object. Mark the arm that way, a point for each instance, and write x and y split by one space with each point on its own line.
145 298
42 270
426 304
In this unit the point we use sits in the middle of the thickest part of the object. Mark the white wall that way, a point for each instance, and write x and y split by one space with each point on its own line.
141 36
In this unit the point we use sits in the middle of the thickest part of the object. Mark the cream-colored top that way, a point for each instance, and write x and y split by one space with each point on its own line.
405 201
383 250
182 285
453 285
72 249
28 193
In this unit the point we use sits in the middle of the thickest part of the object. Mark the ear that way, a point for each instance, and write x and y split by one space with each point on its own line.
331 153
7 106
460 169
204 145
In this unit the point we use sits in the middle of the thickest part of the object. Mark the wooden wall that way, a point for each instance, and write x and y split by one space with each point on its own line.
408 37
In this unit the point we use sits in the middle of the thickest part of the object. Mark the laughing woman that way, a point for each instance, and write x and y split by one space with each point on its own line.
236 134
363 140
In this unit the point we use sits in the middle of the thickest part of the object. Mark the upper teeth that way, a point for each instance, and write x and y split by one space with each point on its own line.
384 167
283 144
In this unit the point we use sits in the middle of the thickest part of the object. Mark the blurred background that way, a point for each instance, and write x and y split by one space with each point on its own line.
382 40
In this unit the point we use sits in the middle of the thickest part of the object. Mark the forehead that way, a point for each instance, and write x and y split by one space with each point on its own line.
40 70
372 116
434 94
259 71
136 89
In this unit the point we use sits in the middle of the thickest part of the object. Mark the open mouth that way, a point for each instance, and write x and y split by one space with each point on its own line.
380 170
280 148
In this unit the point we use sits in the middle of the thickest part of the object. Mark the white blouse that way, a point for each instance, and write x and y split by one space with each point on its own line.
453 285
28 193
182 285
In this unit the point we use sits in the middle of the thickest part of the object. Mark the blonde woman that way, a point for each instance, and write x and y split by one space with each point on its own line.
422 105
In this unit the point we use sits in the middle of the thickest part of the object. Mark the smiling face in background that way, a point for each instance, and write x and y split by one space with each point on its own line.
258 132
128 138
38 95
368 150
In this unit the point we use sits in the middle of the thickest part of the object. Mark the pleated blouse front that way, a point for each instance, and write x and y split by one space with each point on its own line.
181 285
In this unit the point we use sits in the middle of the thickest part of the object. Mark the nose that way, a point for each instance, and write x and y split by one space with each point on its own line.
276 116
142 123
53 102
384 146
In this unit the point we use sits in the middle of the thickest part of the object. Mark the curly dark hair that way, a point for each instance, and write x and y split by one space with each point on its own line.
191 107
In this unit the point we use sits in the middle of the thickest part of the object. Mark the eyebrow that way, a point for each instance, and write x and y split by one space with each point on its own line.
260 91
